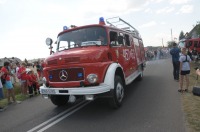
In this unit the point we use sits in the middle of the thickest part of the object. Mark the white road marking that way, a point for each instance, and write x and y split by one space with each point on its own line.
61 114
61 118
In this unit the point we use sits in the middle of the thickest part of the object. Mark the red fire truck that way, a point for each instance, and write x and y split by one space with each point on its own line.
92 61
191 44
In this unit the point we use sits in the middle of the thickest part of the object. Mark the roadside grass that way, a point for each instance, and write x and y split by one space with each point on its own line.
191 103
18 95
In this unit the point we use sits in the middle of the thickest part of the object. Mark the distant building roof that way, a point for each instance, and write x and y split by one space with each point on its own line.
11 60
193 32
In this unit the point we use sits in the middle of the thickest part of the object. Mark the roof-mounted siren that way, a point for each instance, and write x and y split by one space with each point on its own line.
65 28
101 21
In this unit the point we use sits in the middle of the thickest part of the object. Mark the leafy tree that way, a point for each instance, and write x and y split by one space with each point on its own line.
26 61
170 44
181 36
198 28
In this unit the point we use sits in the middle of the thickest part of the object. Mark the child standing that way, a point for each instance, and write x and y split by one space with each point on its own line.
8 84
1 90
30 81
184 69
35 83
1 87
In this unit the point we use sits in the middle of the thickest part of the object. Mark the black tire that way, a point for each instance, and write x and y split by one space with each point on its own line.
140 77
117 94
59 100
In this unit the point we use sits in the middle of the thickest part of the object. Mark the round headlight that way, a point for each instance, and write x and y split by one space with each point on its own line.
49 41
44 80
92 78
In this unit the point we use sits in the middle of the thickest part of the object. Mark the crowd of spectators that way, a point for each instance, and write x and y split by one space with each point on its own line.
26 75
159 53
181 60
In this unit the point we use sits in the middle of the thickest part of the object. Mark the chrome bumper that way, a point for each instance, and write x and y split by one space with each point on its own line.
102 88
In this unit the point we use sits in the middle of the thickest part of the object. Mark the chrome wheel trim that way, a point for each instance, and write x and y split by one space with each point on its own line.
119 92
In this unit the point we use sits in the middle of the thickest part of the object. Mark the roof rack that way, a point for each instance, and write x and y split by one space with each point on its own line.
119 23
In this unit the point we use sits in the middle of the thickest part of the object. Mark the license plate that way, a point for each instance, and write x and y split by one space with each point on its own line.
48 91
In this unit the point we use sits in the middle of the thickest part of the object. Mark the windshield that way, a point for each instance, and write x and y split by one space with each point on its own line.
181 44
82 37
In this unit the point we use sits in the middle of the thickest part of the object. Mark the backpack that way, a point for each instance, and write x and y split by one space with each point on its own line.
3 79
186 60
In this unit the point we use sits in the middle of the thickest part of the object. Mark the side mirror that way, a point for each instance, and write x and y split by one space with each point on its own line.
49 41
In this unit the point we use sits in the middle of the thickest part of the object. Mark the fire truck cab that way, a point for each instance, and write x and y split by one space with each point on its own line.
190 44
92 61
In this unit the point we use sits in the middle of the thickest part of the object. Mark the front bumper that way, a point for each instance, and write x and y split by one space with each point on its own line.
102 88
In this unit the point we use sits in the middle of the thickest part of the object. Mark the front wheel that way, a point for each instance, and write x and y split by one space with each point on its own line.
140 77
117 93
59 100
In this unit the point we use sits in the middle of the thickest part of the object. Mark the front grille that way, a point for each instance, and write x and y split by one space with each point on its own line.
66 75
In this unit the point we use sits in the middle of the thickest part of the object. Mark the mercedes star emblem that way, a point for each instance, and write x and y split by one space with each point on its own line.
63 75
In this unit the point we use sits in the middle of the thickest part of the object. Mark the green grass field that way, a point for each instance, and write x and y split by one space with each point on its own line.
18 95
191 103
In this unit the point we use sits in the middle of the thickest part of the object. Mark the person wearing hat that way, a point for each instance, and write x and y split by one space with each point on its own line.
175 53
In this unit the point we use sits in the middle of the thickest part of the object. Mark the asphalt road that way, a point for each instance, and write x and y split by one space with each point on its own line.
151 105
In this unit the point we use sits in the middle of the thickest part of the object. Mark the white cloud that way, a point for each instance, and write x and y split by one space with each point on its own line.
186 9
2 1
157 39
179 1
157 1
112 7
165 10
163 23
149 24
148 10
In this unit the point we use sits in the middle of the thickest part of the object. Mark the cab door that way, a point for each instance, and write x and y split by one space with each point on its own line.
133 58
130 56
119 51
137 50
142 52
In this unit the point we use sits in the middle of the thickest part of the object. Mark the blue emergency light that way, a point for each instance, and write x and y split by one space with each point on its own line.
50 77
80 75
65 28
101 21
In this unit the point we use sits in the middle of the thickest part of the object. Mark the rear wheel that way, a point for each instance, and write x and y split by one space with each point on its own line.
59 100
117 93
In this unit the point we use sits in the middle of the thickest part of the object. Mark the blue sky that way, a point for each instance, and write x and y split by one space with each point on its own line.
25 24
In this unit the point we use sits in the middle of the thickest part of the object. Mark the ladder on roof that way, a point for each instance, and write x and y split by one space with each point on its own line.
118 22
